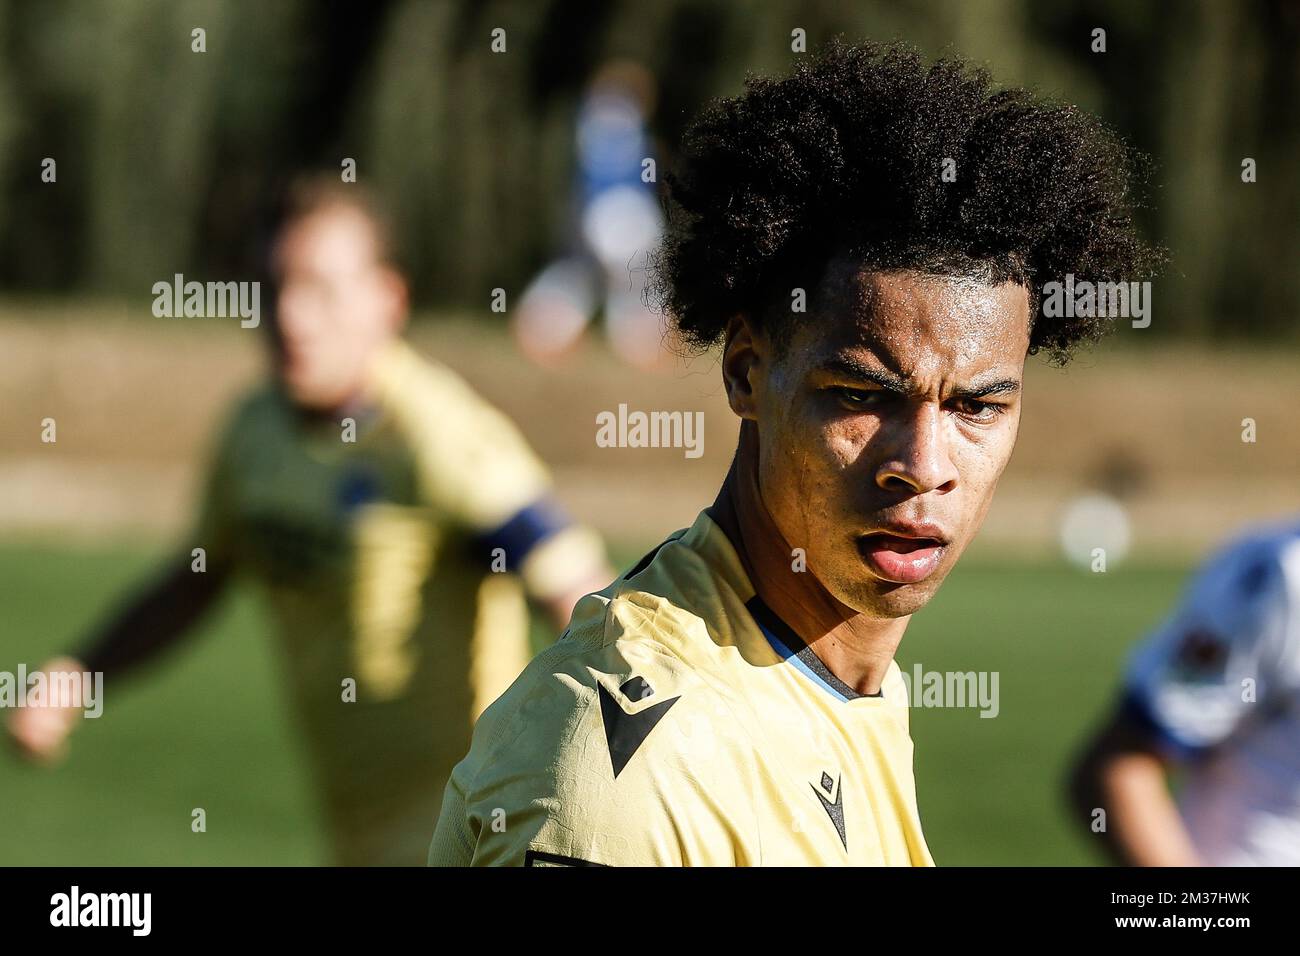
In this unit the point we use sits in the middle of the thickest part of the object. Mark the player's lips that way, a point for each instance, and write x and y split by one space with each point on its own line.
904 553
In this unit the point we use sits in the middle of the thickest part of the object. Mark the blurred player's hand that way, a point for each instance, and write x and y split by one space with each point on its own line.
40 733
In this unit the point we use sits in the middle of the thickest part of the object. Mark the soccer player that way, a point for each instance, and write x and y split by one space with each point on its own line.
866 238
374 495
615 223
1214 693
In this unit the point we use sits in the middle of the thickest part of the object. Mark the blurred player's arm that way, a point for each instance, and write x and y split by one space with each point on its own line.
1124 774
558 560
1190 685
156 618
479 470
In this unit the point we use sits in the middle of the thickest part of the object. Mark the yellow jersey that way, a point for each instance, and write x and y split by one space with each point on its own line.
678 721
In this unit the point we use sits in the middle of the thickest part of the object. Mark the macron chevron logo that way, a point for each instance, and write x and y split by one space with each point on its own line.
624 732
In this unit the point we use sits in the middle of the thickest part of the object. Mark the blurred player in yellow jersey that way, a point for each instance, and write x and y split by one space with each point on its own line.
376 497
733 699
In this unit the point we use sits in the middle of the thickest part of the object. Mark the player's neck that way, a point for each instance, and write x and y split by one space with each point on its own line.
856 648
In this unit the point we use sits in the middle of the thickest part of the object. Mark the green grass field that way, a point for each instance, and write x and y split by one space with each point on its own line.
205 729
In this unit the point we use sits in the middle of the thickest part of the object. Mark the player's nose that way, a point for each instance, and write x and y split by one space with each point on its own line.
916 458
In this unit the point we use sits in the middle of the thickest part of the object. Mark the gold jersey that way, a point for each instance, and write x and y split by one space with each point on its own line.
678 721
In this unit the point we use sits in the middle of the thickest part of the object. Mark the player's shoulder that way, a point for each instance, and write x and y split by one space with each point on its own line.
672 605
407 380
1257 568
1238 613
442 417
609 749
613 660
1274 543
633 653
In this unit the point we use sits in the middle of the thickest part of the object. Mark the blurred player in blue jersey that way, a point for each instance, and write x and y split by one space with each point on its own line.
616 223
1214 693
376 543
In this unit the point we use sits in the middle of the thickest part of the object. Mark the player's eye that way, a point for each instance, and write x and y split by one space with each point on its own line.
858 398
982 413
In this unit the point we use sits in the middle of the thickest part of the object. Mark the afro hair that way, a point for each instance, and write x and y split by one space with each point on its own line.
845 156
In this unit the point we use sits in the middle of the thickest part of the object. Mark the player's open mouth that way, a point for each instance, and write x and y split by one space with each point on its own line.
901 560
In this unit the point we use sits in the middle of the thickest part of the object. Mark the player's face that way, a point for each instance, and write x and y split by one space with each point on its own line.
337 304
884 425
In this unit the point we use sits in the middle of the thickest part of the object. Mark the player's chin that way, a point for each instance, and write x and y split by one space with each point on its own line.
885 599
309 393
877 596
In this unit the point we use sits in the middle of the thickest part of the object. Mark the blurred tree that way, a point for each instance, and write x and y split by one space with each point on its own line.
167 156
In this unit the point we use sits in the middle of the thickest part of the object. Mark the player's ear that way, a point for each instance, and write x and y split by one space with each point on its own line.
742 357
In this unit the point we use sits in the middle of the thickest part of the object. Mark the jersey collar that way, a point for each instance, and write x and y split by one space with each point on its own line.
707 539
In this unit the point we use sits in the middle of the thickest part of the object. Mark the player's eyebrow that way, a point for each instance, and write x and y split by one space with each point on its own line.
1002 386
851 368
